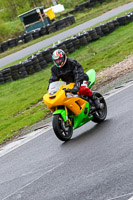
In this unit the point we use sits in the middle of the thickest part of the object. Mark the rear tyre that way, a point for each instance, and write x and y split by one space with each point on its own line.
100 114
62 131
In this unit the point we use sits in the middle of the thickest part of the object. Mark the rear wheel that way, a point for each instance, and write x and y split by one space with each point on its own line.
62 130
100 114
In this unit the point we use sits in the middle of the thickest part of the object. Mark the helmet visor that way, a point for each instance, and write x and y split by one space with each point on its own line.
59 62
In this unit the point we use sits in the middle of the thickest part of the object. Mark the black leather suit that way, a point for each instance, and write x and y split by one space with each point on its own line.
71 72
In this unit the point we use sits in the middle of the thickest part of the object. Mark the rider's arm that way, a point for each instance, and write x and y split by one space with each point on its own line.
78 72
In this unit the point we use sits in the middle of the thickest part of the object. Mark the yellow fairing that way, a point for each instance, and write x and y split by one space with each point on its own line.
75 104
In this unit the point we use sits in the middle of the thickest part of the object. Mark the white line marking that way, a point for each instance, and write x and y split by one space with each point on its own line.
47 172
13 145
124 195
119 90
131 198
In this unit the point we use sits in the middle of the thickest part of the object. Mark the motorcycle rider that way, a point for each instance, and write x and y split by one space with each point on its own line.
70 71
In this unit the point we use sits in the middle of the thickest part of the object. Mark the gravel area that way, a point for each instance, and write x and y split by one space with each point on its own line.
119 71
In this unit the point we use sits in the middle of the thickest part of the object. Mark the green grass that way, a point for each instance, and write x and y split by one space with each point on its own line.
21 101
80 17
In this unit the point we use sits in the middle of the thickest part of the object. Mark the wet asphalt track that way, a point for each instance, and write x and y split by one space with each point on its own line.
96 164
29 50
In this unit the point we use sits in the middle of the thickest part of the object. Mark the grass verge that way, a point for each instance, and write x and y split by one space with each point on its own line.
21 101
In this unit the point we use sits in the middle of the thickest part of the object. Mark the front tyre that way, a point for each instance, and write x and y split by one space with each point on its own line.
62 130
100 114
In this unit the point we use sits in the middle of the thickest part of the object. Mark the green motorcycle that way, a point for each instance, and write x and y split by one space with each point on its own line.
71 111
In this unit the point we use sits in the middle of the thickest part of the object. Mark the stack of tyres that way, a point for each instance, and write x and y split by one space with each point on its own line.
129 18
122 20
84 5
47 55
14 72
62 46
60 24
69 45
42 62
29 66
27 37
81 6
82 39
7 74
35 33
39 56
20 39
87 4
66 22
125 19
76 42
131 15
12 42
22 70
1 49
51 28
111 26
105 29
87 36
35 63
99 31
77 8
92 2
71 19
52 49
65 14
1 78
43 31
4 46
116 23
93 34
73 11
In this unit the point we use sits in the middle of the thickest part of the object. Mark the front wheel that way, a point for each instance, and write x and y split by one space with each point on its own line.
62 130
100 114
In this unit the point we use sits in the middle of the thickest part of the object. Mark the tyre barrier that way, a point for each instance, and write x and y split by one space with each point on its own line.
82 6
27 37
40 60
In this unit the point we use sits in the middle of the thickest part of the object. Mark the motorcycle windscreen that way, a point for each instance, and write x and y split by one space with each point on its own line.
55 86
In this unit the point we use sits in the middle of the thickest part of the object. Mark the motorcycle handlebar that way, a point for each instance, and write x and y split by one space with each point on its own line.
70 90
67 90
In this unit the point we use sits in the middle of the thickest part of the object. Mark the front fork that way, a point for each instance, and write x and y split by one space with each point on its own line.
64 113
68 122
